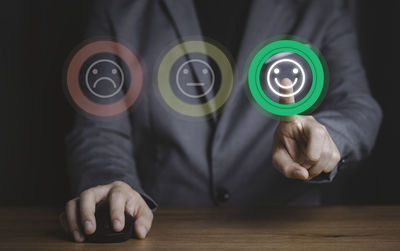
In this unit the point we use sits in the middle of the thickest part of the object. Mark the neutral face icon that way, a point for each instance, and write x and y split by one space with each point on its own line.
286 68
189 85
104 78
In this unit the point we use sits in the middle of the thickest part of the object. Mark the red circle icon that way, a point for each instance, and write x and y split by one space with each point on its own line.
74 68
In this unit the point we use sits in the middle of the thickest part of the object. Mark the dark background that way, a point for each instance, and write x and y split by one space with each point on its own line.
36 38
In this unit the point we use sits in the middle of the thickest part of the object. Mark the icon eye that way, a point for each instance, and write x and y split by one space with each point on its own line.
295 70
276 70
205 71
185 71
114 71
95 71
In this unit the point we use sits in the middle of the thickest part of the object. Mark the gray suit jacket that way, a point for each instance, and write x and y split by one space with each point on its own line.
174 161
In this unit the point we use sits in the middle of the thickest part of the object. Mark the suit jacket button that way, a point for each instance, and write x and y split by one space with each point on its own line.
341 163
222 195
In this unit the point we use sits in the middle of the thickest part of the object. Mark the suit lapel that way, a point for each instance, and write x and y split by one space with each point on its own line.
183 17
264 21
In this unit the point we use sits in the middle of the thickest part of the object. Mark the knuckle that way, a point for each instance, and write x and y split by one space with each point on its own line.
87 192
326 154
336 156
319 131
131 204
115 196
116 212
149 221
142 220
72 224
312 159
86 214
93 190
118 183
313 172
297 123
151 216
274 158
135 195
147 225
286 172
134 198
73 227
120 187
276 161
69 203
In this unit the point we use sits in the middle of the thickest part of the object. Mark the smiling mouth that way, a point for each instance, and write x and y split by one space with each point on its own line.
195 84
286 87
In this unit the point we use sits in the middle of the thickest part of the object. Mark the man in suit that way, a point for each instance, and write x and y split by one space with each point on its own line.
151 157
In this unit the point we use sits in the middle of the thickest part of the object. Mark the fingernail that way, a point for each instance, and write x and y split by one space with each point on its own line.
314 157
142 231
77 236
117 224
300 174
88 226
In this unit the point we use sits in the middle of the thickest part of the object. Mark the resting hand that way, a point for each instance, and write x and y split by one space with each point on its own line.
121 198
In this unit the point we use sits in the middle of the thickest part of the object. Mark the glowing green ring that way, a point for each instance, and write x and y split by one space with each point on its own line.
317 85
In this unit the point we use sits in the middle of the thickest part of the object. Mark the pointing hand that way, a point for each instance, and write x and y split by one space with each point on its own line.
303 148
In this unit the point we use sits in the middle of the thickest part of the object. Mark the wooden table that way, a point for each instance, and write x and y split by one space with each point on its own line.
327 228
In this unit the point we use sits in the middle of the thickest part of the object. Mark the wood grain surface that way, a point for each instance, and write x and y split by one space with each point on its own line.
305 228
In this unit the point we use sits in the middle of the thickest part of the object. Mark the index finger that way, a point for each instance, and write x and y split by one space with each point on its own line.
287 97
286 90
88 201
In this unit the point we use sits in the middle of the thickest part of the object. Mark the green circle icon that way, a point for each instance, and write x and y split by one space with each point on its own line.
319 80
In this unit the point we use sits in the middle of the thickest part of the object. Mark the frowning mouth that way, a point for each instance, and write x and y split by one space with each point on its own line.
107 79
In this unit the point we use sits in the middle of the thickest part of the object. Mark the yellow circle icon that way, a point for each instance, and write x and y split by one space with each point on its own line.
226 79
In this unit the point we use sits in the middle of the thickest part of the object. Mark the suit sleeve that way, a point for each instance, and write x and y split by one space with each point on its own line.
349 112
100 152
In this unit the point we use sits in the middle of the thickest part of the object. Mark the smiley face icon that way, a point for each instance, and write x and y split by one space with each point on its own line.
286 68
199 86
104 78
292 58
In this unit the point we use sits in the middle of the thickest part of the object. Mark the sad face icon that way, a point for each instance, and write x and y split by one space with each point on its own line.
104 78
